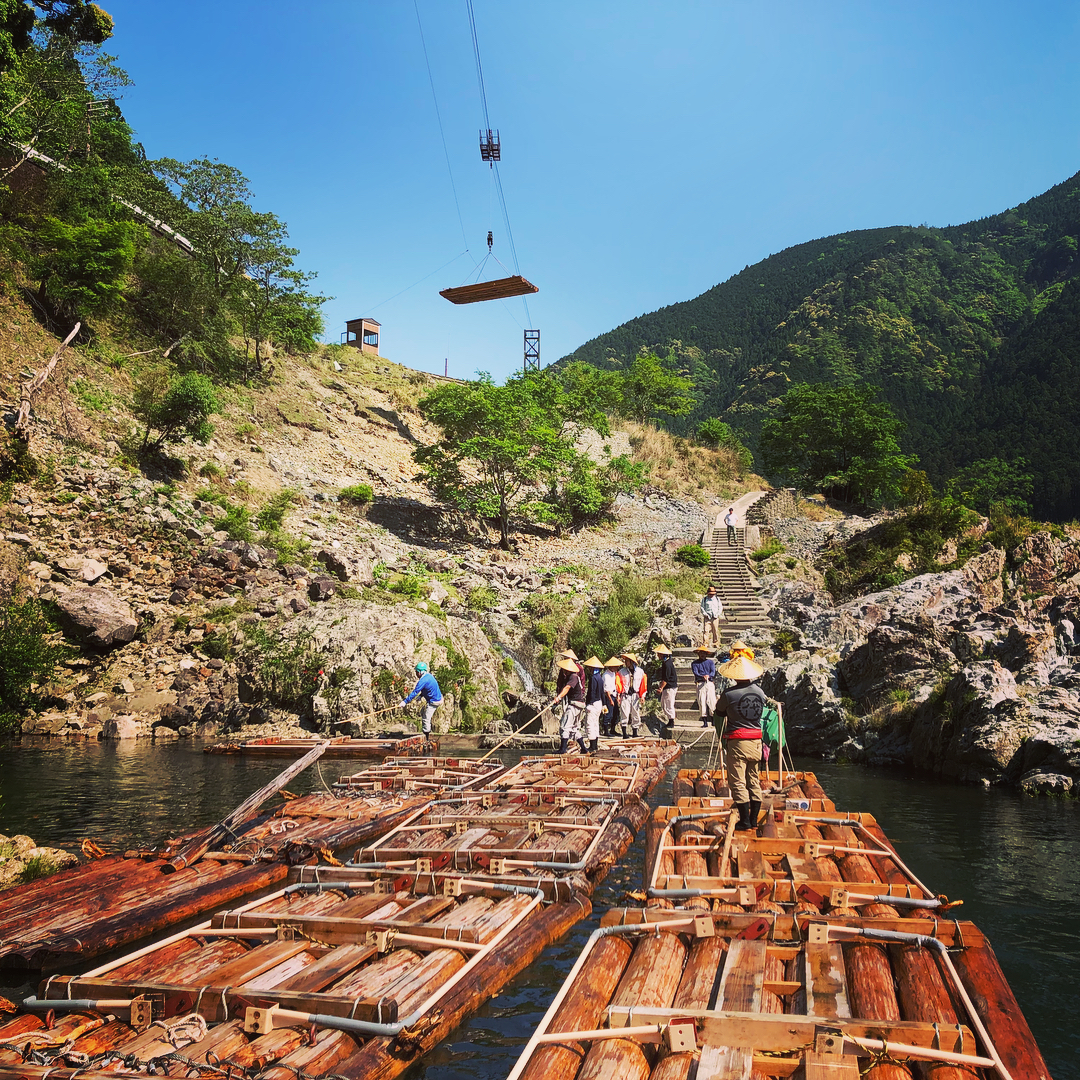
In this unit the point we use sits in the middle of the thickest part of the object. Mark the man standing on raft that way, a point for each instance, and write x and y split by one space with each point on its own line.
428 689
743 705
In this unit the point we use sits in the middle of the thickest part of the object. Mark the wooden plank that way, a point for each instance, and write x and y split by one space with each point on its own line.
825 981
725 1063
800 868
830 1067
252 964
744 974
500 289
751 864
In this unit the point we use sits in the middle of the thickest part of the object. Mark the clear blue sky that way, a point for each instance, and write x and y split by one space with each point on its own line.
649 150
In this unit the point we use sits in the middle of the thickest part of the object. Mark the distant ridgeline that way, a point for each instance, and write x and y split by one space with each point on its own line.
971 333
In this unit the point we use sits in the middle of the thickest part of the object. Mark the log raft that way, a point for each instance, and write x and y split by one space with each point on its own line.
340 746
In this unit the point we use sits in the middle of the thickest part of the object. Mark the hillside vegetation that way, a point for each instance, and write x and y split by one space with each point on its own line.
971 333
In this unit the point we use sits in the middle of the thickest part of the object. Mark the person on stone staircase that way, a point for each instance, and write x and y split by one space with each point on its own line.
704 671
612 688
635 688
730 520
743 705
712 611
668 683
571 688
594 701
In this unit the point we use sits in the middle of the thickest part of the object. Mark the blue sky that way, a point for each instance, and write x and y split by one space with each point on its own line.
649 150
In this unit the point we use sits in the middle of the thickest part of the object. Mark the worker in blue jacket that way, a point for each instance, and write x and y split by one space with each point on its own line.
428 689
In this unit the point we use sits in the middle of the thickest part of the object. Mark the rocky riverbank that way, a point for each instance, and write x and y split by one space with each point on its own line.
21 859
973 673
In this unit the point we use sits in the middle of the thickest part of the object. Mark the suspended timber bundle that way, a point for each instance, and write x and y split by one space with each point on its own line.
425 774
499 289
339 747
111 902
693 994
352 980
558 775
790 790
562 844
796 863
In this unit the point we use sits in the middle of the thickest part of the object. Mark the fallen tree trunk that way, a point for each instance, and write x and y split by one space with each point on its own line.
30 388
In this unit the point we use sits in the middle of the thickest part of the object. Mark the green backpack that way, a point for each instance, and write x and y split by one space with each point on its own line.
770 724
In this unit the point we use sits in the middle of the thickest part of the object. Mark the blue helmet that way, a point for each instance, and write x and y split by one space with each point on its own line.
421 667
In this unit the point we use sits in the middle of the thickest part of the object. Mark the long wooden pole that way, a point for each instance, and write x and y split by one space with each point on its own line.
195 849
33 385
513 734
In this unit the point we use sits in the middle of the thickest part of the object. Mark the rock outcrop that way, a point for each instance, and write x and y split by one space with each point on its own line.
939 672
95 617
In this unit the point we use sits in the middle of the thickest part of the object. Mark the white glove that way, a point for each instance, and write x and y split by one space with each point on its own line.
402 705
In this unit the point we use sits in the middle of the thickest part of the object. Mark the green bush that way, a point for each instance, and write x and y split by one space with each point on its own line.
408 585
693 555
361 494
175 407
481 598
615 620
786 641
212 471
28 655
271 516
237 522
767 550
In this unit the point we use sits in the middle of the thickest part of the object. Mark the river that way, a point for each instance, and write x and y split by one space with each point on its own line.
1014 861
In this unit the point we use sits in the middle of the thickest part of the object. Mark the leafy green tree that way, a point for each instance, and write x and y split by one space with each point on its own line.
993 482
649 389
175 407
499 445
82 268
837 439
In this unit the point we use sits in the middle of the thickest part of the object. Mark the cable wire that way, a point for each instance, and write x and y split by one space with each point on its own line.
479 67
417 282
442 133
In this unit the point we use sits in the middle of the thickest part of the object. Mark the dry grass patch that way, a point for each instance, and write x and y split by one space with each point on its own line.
681 467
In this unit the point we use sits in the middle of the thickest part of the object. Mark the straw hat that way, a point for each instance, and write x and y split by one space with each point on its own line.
632 657
594 662
740 668
614 662
740 648
567 654
566 665
662 650
704 649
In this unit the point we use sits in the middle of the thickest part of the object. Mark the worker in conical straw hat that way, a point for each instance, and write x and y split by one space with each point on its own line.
594 700
704 671
740 648
612 690
636 686
570 688
667 685
742 707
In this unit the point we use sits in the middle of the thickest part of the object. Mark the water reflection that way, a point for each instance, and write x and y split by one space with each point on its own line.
1015 862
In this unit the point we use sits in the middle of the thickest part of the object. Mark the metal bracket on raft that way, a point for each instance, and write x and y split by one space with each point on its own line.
259 1021
680 1036
829 1041
142 1009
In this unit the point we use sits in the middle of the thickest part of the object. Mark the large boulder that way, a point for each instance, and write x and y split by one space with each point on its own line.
95 617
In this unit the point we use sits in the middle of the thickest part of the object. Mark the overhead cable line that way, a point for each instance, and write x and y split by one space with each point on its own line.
418 281
442 133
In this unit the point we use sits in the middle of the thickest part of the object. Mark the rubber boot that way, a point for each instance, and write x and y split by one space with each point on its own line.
755 812
743 824
624 735
705 721
594 746
563 744
584 745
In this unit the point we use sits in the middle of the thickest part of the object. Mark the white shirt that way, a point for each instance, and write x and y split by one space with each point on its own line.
729 518
712 607
609 681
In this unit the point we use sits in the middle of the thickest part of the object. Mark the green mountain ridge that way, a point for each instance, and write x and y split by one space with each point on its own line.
971 332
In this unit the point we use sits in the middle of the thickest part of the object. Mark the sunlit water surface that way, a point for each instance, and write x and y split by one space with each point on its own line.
1014 861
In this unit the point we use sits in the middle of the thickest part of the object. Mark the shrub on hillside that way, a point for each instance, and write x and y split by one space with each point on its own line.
361 494
692 555
175 407
28 655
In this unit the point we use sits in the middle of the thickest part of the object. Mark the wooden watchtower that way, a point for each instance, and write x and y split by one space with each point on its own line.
362 334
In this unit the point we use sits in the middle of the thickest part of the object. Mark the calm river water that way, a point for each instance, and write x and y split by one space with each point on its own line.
1015 862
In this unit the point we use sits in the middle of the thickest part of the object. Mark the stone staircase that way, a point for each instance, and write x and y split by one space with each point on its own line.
730 574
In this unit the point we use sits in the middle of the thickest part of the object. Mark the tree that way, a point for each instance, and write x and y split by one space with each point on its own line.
28 656
837 439
993 482
647 388
501 445
175 407
83 267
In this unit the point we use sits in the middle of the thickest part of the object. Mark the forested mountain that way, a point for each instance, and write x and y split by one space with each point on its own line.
971 333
